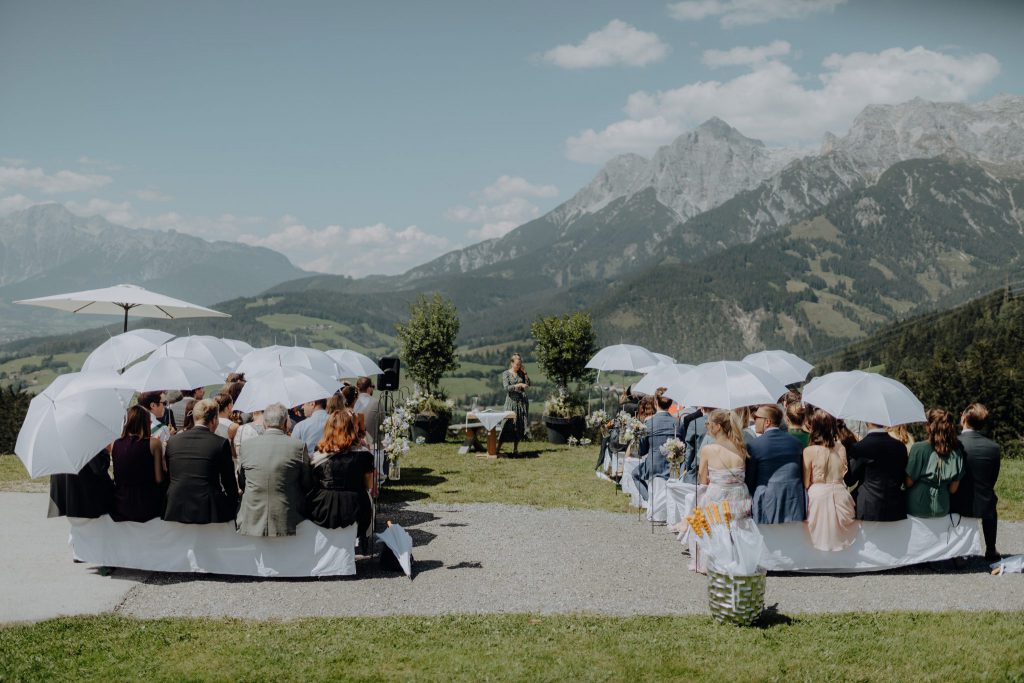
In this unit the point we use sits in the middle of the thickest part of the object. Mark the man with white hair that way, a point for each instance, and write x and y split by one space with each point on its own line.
202 488
275 476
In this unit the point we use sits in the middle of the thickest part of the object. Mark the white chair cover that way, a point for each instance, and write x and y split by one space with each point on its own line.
162 546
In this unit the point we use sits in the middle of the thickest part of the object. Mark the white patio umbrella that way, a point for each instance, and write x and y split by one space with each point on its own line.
210 351
627 357
70 421
353 364
285 385
669 376
662 360
238 346
729 384
303 357
122 350
163 373
784 366
124 299
400 542
864 396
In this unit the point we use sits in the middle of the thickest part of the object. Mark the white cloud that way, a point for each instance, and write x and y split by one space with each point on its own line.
16 202
358 251
99 163
120 213
515 186
734 13
504 207
739 56
151 195
618 43
18 176
775 104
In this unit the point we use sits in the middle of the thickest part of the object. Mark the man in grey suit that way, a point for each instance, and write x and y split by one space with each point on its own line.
275 476
369 407
976 496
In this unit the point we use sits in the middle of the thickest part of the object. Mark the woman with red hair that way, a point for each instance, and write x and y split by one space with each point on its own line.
342 476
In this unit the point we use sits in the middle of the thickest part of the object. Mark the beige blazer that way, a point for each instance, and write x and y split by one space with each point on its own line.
275 475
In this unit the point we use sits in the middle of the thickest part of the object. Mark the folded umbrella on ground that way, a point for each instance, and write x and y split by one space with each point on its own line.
398 543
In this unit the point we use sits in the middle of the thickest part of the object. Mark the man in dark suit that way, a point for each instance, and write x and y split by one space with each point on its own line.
775 471
691 431
976 496
202 488
878 466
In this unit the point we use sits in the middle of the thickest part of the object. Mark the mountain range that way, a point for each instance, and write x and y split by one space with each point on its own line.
718 244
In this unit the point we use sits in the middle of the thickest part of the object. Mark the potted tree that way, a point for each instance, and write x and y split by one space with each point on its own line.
563 346
427 346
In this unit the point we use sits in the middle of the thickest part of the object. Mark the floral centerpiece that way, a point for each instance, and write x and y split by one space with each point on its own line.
396 441
598 422
674 450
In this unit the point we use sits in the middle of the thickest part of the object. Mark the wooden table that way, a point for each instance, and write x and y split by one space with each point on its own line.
492 432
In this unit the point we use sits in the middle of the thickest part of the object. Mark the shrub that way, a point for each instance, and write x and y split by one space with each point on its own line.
427 341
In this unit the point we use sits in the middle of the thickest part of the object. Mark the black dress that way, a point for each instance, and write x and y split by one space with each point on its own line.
339 496
86 494
137 496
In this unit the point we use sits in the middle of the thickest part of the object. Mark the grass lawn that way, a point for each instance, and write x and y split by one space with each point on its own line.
14 477
545 476
865 647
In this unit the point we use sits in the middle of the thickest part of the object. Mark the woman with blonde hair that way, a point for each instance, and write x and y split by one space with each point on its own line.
515 382
342 477
831 513
934 468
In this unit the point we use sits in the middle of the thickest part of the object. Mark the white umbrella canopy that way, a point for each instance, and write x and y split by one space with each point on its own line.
210 351
70 421
864 396
626 357
122 350
729 384
124 299
784 366
303 357
240 347
164 373
353 364
662 360
285 385
669 376
400 542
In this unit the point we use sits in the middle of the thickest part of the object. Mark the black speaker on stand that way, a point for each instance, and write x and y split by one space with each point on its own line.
388 380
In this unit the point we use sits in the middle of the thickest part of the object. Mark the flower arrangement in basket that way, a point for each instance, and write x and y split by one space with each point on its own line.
736 582
396 441
631 430
674 451
598 421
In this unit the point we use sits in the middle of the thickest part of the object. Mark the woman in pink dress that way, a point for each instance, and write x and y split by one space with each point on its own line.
831 513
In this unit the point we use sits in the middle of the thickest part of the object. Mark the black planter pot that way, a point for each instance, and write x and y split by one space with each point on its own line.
561 428
433 429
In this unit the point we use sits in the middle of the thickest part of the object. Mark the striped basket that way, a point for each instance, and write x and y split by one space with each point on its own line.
736 599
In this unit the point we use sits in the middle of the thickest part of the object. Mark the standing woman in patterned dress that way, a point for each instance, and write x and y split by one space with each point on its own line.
515 381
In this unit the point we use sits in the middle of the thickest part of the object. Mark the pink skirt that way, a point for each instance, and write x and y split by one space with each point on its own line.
831 517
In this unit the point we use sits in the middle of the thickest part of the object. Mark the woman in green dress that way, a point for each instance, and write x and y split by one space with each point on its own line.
515 381
934 468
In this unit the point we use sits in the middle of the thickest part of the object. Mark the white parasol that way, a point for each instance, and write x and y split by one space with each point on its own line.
70 421
730 385
302 357
210 351
670 376
864 396
240 347
354 364
784 366
285 385
400 542
662 360
124 299
163 373
122 350
626 357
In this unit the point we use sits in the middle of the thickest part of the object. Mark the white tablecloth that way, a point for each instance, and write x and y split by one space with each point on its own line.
627 483
680 501
491 420
213 548
879 545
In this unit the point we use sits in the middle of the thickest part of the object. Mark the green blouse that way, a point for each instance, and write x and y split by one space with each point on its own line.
932 475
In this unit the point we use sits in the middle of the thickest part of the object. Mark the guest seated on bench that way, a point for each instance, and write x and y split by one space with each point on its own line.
202 487
275 477
138 471
342 477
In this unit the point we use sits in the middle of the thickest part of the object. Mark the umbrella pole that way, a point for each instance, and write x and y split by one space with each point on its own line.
126 318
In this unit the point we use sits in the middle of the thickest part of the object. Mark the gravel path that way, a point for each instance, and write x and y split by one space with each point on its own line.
504 558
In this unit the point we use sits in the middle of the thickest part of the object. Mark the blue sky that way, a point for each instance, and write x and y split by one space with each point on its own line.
368 137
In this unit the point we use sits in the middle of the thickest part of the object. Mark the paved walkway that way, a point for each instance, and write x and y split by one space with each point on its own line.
472 558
